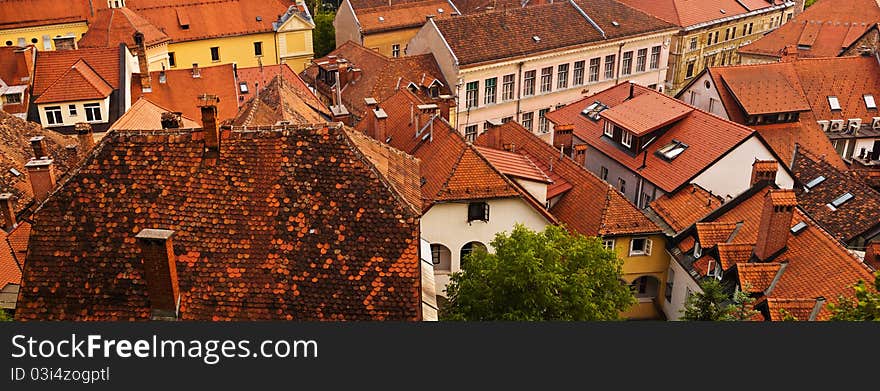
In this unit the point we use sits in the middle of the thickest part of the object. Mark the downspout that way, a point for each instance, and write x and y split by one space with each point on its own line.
518 88
617 62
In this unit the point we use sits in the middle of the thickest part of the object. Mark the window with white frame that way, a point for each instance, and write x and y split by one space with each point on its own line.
12 98
621 185
608 244
626 65
577 77
626 138
640 246
833 103
603 173
609 129
395 50
609 66
547 79
594 69
543 123
527 120
529 83
490 87
507 87
562 76
93 112
71 110
693 45
471 95
655 57
641 60
470 133
53 115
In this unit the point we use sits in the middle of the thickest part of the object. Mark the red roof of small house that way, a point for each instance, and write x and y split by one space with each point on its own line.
16 65
514 164
113 26
80 82
589 205
255 78
691 12
769 89
646 112
10 271
822 30
51 65
180 91
708 137
287 223
757 276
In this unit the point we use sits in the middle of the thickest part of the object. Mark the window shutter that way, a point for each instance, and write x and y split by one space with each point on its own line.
648 245
486 211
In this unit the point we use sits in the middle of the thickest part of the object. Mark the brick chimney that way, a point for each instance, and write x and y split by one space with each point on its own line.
172 120
146 79
775 225
763 171
7 207
42 177
380 132
160 272
789 54
563 138
580 154
872 253
38 144
208 106
84 136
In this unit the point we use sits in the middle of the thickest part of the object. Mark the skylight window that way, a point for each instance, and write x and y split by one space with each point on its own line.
798 227
842 200
592 111
815 182
15 172
672 150
536 38
869 102
243 87
833 103
381 18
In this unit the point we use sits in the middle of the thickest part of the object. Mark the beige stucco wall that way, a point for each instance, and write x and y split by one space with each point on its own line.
9 296
43 34
294 42
70 120
682 282
703 97
346 25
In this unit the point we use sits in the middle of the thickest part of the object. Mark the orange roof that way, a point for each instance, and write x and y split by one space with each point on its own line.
708 137
690 12
514 164
15 65
80 82
257 77
181 90
589 205
822 30
10 271
713 233
800 309
113 26
730 254
51 65
766 90
400 16
757 276
31 13
146 115
685 207
645 113
785 197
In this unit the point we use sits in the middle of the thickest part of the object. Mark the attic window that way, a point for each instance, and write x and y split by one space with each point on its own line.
833 103
243 87
259 18
15 172
536 38
815 182
592 111
672 150
840 201
869 102
798 227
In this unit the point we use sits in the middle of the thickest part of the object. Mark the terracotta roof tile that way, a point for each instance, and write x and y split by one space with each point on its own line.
259 77
291 223
730 254
770 89
827 26
146 115
685 207
757 276
712 233
646 112
800 309
180 91
113 26
10 272
51 65
490 36
514 164
31 13
690 12
401 15
15 65
80 82
859 215
708 137
280 100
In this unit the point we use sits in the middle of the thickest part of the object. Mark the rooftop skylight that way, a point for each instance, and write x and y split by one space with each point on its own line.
833 103
869 102
839 201
592 111
797 228
815 182
672 150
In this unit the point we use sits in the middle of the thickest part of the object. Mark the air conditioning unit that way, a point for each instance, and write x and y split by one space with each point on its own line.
875 123
854 123
823 125
836 125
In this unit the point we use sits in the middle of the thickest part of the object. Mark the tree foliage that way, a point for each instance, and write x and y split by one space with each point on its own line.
707 305
324 35
533 276
864 306
5 316
743 307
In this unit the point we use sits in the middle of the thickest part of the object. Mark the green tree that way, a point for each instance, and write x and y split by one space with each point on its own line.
707 305
534 276
743 307
5 316
324 35
864 306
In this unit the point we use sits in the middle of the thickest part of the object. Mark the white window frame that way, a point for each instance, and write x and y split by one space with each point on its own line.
72 111
609 129
508 87
395 50
646 251
608 244
698 250
95 110
52 120
626 138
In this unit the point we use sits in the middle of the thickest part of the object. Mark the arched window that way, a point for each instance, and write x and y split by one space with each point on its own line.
441 257
468 248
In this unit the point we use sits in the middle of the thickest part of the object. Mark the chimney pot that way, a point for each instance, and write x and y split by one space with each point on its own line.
38 144
209 122
7 204
775 224
563 137
42 177
84 136
172 120
763 171
160 272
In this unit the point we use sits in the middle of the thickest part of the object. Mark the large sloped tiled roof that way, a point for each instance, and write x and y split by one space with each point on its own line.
646 112
685 207
489 36
708 137
822 30
401 15
514 164
80 82
180 91
113 26
285 223
31 13
51 65
260 76
16 151
691 12
276 102
591 206
146 115
859 215
14 65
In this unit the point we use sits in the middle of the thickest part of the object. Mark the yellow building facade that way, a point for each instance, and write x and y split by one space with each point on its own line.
644 270
241 50
390 43
42 37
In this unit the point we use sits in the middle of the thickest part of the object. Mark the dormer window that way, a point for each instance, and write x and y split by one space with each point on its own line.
626 139
833 103
609 129
869 102
698 250
672 150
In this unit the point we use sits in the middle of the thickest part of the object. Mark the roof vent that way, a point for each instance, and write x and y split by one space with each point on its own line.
439 10
381 18
259 18
536 38
723 11
615 24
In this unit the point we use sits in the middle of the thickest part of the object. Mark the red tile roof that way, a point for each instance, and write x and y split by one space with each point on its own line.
828 26
691 12
730 254
281 100
51 65
708 137
769 89
590 206
80 82
146 115
492 36
646 113
401 15
113 26
800 309
757 276
15 65
287 223
259 77
514 164
712 233
180 91
685 207
860 215
32 13
10 272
